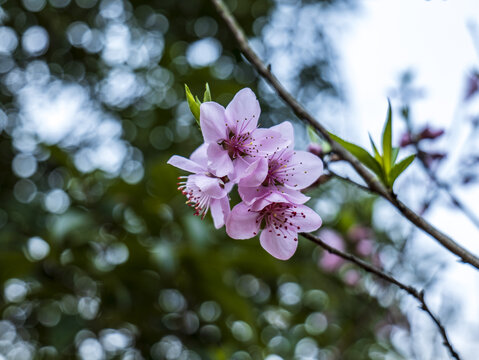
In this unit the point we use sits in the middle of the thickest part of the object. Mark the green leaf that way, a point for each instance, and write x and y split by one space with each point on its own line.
207 94
377 156
194 106
399 168
362 155
394 155
387 141
313 137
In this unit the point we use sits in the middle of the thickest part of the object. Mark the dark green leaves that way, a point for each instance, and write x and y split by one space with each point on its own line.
361 154
400 167
207 94
387 141
384 166
194 103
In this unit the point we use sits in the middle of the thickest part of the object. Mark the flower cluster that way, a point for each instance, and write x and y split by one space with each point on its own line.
263 164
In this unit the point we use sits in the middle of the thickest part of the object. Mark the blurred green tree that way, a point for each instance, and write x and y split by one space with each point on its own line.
100 258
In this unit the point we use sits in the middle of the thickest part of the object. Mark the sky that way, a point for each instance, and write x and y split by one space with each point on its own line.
433 39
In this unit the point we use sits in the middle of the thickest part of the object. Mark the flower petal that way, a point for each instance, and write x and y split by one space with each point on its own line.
219 212
242 113
272 197
211 186
286 130
255 174
306 220
240 165
213 122
250 194
242 222
307 169
225 206
219 160
282 245
265 142
293 196
200 155
186 164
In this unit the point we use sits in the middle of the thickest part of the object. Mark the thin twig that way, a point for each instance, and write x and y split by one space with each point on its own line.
350 181
419 295
447 189
304 115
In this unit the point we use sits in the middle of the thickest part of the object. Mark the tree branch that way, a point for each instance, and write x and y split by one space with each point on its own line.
446 188
373 184
419 295
349 181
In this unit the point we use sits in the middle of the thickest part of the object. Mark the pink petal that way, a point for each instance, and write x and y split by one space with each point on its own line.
200 155
255 174
293 196
213 122
225 206
219 160
211 186
241 223
186 164
306 220
307 169
219 212
251 194
272 197
281 245
286 130
242 113
267 141
240 165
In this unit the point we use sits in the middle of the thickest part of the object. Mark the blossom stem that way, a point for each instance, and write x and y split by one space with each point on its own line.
419 295
373 184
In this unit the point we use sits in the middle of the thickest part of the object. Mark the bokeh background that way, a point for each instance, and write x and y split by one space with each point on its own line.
99 256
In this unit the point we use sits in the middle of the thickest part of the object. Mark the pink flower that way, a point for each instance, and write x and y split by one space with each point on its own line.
365 247
281 221
203 189
285 171
351 277
359 232
233 139
328 261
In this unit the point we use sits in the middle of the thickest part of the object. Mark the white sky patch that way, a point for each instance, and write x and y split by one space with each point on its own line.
431 38
63 113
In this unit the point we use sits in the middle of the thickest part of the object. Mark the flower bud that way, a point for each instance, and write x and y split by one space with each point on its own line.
316 149
428 133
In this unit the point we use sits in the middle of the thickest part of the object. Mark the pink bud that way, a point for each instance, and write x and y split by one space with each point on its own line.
315 148
428 133
406 140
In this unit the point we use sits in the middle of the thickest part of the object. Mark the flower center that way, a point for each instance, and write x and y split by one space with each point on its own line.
237 145
279 218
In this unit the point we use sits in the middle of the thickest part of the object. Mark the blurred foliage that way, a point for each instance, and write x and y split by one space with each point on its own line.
100 258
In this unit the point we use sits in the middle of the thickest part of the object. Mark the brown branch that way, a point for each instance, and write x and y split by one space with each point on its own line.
349 181
419 295
446 188
373 184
